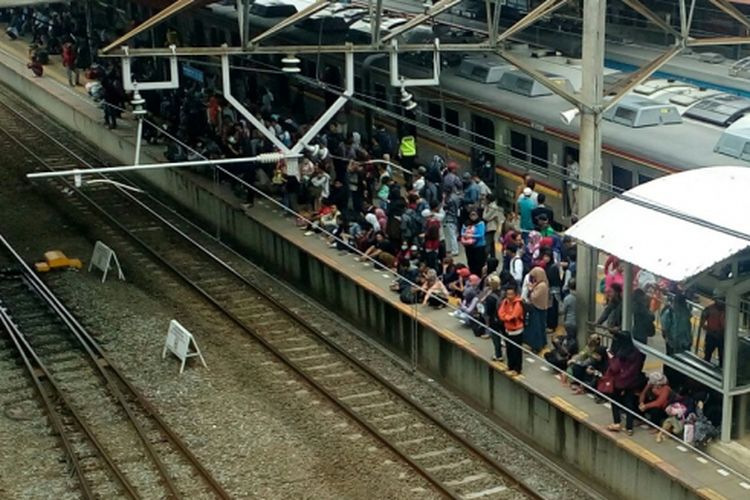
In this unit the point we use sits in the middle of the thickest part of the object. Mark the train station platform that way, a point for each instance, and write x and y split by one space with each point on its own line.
535 404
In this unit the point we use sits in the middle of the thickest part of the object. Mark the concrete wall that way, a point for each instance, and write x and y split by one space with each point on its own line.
555 430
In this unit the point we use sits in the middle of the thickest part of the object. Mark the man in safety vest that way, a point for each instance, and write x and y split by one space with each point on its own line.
407 152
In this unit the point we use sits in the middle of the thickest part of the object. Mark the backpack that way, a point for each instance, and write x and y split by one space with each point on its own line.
429 192
435 168
409 225
432 230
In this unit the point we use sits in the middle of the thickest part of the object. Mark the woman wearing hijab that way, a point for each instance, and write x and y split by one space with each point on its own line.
535 332
625 373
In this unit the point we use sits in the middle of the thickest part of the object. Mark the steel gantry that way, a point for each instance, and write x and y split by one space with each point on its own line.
590 103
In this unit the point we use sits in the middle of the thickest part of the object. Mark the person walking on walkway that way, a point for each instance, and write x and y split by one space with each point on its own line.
69 62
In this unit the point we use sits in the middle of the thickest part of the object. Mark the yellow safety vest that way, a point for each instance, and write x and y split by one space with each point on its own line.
408 146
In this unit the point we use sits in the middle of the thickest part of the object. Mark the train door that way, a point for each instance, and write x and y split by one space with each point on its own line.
483 153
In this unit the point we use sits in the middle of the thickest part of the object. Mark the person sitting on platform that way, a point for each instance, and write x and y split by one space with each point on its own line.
654 398
589 373
578 363
381 251
435 293
564 347
469 300
456 281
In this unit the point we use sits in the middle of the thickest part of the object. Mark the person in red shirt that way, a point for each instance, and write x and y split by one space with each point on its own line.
512 313
654 398
69 62
625 372
713 321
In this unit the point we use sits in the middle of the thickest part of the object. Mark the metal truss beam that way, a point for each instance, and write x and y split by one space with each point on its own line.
732 11
175 8
544 8
719 40
415 21
290 153
300 49
628 83
291 20
649 14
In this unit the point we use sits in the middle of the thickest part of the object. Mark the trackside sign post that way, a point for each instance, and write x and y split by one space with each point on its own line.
181 343
102 258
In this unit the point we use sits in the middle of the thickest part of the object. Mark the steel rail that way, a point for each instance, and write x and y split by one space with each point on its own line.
481 455
36 371
27 351
93 350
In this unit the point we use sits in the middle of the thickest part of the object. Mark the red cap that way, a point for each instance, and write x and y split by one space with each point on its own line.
452 165
464 272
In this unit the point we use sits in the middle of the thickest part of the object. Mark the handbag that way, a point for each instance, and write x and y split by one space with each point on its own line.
606 385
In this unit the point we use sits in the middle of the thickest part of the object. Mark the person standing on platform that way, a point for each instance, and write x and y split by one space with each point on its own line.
452 207
473 240
111 99
512 314
69 61
526 205
491 305
535 333
676 327
713 321
542 210
451 182
407 152
625 373
643 318
494 217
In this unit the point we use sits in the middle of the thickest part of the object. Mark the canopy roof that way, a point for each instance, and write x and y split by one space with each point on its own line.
658 238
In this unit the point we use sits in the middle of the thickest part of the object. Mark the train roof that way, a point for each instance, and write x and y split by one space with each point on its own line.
685 145
689 144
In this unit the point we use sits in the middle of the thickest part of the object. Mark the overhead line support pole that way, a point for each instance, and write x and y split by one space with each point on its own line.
590 154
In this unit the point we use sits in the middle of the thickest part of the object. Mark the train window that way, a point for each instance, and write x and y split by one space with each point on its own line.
518 145
451 118
484 130
539 152
235 38
434 115
358 84
199 33
381 96
643 179
622 179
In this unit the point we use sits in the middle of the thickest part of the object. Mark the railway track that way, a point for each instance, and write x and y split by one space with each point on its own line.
114 441
453 465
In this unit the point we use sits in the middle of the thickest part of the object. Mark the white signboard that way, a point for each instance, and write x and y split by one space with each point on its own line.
102 259
179 342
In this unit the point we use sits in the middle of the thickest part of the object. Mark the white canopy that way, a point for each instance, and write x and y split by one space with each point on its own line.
664 243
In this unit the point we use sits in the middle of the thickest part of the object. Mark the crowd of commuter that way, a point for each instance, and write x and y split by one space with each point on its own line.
439 227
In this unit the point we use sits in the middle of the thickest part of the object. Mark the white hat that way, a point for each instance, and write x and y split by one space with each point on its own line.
527 191
426 212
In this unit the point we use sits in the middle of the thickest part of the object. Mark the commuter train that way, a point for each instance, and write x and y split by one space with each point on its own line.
486 107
